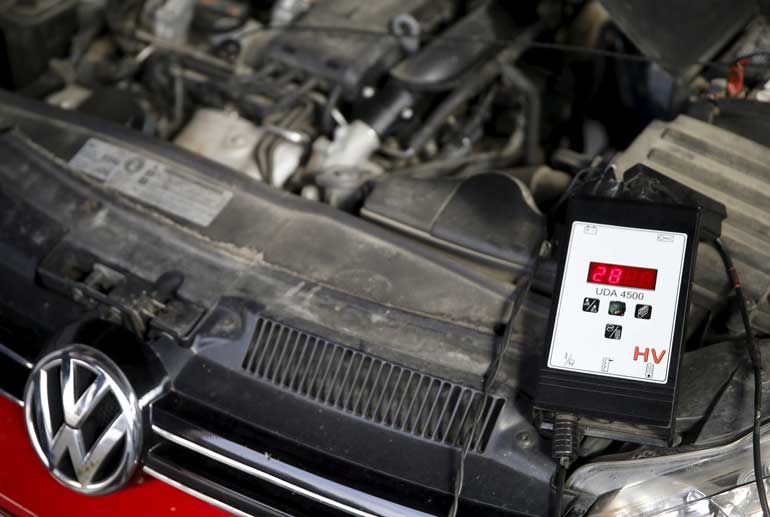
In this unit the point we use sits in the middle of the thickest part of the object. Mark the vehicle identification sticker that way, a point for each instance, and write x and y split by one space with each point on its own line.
151 182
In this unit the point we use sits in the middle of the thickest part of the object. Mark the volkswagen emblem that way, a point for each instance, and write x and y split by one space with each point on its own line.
83 419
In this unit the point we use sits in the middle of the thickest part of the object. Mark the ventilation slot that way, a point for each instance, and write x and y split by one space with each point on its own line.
368 387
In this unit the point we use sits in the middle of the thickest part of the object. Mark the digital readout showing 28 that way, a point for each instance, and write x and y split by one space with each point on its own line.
622 276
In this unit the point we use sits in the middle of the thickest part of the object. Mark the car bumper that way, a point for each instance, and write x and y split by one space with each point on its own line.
28 490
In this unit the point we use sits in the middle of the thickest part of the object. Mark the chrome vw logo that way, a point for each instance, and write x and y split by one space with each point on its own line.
83 419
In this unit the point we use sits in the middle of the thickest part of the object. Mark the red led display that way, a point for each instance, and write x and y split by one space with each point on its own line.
622 276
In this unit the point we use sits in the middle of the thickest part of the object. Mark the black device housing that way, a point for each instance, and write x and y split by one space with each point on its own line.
630 410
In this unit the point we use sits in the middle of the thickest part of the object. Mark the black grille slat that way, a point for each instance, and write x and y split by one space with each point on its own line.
341 394
268 341
393 394
317 387
422 394
441 415
252 344
273 367
414 422
275 344
368 387
445 424
492 413
353 388
259 348
467 422
302 363
281 367
383 392
290 363
429 416
365 385
309 386
340 363
396 419
412 397
458 426
372 391
489 409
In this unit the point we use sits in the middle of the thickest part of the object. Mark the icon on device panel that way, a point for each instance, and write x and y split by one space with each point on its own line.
643 312
612 331
617 308
590 304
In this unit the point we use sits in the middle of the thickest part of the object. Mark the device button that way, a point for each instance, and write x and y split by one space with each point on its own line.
643 312
617 308
612 331
590 304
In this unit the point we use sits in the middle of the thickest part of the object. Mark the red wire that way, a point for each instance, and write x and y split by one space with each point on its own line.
735 78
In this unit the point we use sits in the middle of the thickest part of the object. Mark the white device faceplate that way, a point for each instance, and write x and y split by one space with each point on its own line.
641 350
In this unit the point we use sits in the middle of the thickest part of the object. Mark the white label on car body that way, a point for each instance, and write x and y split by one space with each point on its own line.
151 182
618 303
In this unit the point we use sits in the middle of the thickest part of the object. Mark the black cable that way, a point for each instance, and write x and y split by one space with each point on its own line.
479 81
564 449
756 361
580 179
465 40
488 383
327 121
557 492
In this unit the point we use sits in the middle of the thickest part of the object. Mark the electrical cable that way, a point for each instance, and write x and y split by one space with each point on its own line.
488 383
564 448
594 174
465 40
756 361
557 491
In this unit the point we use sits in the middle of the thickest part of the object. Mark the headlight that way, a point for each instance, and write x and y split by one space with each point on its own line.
717 482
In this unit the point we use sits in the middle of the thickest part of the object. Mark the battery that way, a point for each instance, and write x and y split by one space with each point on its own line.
618 318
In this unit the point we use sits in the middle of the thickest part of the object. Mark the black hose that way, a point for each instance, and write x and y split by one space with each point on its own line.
477 80
532 105
476 120
756 361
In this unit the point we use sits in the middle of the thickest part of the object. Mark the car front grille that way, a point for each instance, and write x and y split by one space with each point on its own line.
244 480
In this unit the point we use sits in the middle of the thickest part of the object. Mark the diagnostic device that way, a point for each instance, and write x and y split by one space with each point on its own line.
618 318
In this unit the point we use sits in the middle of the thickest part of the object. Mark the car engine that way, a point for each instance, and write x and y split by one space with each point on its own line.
254 190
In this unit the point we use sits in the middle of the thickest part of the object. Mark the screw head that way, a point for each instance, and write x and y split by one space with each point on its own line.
368 92
525 439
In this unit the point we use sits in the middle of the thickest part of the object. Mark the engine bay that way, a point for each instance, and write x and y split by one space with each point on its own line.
393 174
